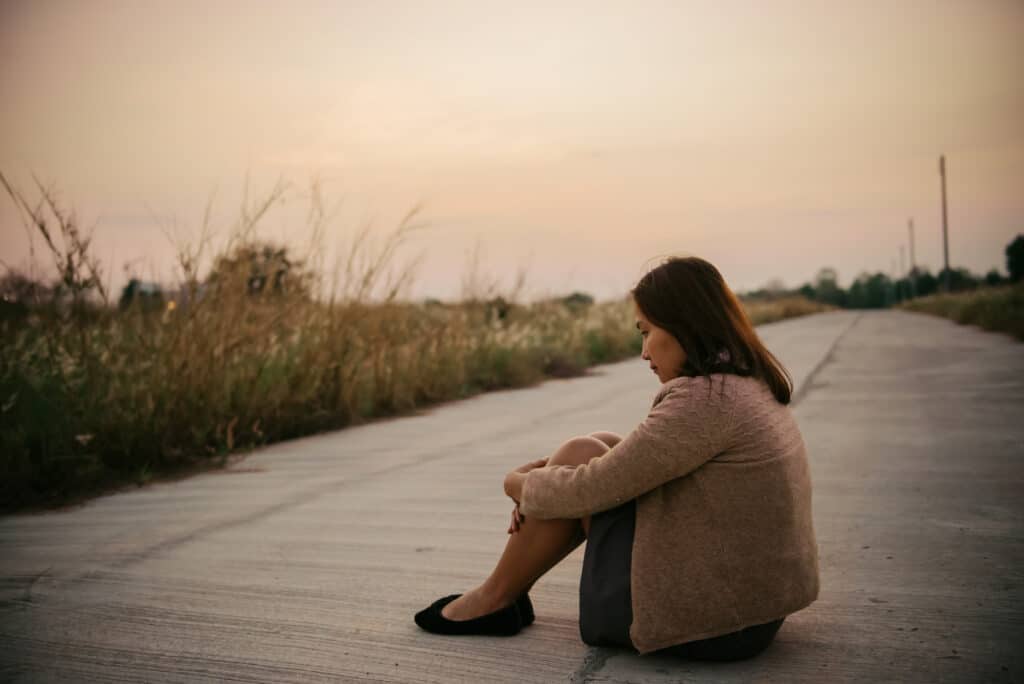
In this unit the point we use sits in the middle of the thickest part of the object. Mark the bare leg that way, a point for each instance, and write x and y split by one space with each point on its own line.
536 548
609 438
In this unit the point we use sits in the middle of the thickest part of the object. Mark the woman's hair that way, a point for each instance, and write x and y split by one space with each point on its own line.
688 297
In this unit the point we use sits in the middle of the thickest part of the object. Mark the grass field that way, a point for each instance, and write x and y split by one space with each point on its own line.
1000 309
127 396
95 396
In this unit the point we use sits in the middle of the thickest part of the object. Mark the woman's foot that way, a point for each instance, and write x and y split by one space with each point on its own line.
525 607
502 622
473 604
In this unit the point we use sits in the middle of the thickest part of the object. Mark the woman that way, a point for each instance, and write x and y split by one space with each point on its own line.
698 523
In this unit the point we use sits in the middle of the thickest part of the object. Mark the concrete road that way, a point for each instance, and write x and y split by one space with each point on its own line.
306 561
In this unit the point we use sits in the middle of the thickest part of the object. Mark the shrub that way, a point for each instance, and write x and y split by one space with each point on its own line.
1000 309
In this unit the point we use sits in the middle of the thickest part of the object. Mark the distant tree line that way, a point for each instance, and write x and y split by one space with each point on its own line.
265 269
878 290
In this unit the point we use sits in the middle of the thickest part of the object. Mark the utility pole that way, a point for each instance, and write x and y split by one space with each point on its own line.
913 264
945 222
899 283
889 294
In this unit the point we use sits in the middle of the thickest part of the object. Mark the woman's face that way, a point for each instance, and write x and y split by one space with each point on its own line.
661 349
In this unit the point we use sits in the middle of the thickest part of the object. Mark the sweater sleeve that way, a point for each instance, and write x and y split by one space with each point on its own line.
684 429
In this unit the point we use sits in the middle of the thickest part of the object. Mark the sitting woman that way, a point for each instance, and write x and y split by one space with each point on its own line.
698 522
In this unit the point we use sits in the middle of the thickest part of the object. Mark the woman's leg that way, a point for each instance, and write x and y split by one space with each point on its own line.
536 548
609 438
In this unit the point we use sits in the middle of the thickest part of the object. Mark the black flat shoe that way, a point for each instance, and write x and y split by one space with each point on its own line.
504 622
525 609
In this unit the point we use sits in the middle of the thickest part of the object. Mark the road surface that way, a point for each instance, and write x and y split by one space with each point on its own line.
306 560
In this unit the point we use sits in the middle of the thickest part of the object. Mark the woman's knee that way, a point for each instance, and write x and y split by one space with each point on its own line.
609 438
578 450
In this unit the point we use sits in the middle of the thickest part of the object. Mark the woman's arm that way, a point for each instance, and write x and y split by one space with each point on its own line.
514 480
684 430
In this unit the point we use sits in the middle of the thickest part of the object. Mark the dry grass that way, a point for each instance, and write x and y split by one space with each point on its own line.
92 397
769 311
1000 309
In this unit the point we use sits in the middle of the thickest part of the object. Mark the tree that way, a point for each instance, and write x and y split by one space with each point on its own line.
147 296
870 291
903 288
578 301
70 246
16 287
1015 258
993 277
261 268
826 287
20 294
960 279
925 282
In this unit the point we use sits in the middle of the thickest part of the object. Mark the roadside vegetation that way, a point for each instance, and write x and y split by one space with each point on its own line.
994 301
880 291
95 394
1000 309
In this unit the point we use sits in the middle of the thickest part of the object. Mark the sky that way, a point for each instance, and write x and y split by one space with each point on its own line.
576 143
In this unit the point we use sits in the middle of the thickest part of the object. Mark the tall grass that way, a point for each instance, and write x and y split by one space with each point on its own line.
93 397
781 308
1000 309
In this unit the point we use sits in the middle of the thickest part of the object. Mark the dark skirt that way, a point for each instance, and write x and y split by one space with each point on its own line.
606 609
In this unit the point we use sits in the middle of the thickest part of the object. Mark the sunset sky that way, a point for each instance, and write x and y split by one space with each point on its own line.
577 141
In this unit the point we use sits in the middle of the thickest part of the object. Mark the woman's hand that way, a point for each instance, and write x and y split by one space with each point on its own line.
517 520
514 485
514 480
527 467
514 490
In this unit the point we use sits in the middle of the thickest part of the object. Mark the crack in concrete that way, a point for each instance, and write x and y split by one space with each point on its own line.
27 598
593 662
803 390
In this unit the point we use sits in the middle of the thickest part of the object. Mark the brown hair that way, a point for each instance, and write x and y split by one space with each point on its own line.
688 297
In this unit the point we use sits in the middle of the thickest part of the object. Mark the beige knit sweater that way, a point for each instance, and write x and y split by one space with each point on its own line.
724 537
